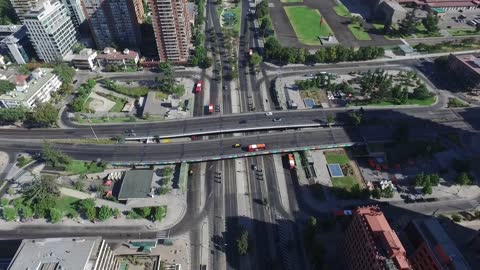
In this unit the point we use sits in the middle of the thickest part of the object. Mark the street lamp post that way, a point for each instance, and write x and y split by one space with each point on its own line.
91 127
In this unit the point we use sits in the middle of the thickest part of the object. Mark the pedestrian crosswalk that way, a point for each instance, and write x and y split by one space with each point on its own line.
162 234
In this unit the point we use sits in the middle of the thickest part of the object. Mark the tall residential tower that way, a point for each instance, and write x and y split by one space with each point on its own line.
22 7
114 22
50 30
171 26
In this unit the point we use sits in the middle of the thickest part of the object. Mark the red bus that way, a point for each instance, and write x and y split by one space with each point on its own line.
256 147
198 88
291 161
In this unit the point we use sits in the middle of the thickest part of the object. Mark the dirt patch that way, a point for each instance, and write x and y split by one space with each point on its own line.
318 95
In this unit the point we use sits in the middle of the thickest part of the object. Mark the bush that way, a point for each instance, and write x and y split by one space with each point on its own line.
105 213
4 202
242 243
456 218
55 215
464 179
10 213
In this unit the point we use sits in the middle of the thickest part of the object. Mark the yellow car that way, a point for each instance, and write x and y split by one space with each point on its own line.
237 145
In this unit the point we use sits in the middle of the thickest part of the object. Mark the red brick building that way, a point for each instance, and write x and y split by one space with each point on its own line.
430 248
371 244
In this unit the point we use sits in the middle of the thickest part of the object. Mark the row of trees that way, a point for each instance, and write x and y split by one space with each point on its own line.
78 104
262 14
200 57
43 115
154 213
275 52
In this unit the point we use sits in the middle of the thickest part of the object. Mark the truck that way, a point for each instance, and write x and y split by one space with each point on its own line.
198 87
291 161
256 147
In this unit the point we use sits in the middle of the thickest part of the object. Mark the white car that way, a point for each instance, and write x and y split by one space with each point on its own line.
268 113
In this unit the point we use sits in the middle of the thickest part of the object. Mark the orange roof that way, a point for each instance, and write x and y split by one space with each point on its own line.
380 230
20 79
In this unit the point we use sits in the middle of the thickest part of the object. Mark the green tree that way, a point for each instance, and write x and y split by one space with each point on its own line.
409 24
45 187
421 92
27 212
64 72
91 213
42 206
427 189
6 86
160 212
23 69
356 118
431 22
255 59
79 185
9 213
105 213
146 212
53 156
376 193
56 215
166 68
11 115
116 213
87 203
77 47
44 114
242 243
4 202
463 179
456 218
261 9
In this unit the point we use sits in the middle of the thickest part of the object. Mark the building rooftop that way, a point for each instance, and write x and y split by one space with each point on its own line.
440 244
34 85
112 54
55 253
385 238
471 61
136 184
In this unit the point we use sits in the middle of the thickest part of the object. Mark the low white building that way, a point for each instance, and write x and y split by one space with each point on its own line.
31 89
85 59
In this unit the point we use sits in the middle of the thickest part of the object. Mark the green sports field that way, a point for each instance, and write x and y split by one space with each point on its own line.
306 23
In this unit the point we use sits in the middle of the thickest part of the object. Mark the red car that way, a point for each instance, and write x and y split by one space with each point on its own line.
198 88
210 108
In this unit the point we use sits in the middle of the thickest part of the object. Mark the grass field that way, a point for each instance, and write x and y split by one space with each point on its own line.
79 167
342 11
424 102
359 32
306 23
291 1
344 182
333 158
463 32
66 204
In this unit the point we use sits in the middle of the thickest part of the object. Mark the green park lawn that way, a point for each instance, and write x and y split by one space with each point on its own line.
421 102
342 11
344 182
66 204
306 23
358 31
463 32
80 167
336 158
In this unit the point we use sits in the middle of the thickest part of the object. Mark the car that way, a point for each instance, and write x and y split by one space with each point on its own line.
198 87
268 113
250 52
277 119
129 131
242 122
254 167
237 145
75 81
190 172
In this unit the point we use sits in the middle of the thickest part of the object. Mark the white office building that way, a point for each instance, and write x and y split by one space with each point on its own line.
51 30
91 253
32 89
22 7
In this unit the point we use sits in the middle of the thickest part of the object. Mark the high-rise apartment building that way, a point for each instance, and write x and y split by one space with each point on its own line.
22 7
430 248
114 22
64 253
171 26
50 30
371 244
14 42
75 9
